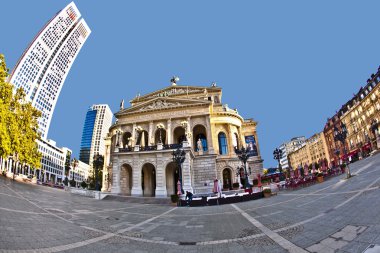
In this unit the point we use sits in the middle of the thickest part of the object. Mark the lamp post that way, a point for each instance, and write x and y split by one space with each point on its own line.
341 135
374 127
179 157
277 154
243 155
98 162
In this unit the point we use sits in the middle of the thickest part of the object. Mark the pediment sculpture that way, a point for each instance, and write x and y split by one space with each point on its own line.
159 104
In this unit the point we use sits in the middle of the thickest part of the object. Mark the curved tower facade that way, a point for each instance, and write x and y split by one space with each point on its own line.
43 67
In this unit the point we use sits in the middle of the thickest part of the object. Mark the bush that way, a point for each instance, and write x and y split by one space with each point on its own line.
91 186
72 183
235 185
319 174
83 184
66 181
267 190
174 198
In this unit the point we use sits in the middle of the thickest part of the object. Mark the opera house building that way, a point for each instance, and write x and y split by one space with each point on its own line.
140 145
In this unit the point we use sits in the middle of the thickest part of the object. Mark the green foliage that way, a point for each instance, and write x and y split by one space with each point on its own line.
267 190
83 184
72 183
174 198
5 113
66 181
97 176
18 123
91 186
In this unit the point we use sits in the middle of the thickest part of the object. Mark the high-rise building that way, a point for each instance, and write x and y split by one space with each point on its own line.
44 65
98 121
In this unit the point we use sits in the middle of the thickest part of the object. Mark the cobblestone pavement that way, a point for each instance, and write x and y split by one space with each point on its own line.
335 216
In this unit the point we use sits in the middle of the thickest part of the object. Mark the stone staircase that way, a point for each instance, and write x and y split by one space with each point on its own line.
139 200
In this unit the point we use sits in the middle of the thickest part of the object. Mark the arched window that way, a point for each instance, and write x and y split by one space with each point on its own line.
223 149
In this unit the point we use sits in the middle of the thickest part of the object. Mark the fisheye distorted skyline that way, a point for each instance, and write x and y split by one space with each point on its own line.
289 65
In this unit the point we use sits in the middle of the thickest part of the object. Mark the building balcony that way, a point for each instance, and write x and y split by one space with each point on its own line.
158 147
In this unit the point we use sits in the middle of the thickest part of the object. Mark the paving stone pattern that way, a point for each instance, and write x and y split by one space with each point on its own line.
337 215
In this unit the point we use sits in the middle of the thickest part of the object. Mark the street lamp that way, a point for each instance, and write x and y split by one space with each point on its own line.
243 155
341 136
277 154
98 162
179 157
374 127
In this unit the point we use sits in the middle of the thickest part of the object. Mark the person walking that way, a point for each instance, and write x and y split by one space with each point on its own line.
188 198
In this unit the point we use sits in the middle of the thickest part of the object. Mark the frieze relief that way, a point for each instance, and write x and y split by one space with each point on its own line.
198 121
126 128
159 104
162 115
174 91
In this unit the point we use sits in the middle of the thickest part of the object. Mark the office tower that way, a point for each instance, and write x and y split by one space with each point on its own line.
44 65
98 121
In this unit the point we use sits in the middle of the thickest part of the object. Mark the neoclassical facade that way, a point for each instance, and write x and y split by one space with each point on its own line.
139 146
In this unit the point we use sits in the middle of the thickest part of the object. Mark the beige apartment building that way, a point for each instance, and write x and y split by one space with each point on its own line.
314 151
361 117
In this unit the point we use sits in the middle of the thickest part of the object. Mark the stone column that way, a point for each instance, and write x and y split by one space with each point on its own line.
241 138
210 145
257 144
160 177
189 130
116 176
136 177
107 155
169 132
230 140
150 133
186 174
133 134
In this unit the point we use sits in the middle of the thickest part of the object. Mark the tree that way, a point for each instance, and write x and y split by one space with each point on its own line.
97 171
6 90
18 126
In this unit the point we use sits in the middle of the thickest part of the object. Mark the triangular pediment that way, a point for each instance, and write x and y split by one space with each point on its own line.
175 91
163 103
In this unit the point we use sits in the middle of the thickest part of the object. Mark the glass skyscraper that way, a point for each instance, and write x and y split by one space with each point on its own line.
85 146
98 121
45 64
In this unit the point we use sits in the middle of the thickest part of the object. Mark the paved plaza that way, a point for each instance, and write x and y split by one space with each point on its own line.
335 216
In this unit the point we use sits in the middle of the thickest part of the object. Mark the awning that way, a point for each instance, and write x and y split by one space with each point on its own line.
343 157
352 153
366 146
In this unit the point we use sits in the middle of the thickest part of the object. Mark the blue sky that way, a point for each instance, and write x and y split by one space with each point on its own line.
287 64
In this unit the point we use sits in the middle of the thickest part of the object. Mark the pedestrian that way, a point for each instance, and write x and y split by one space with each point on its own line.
188 198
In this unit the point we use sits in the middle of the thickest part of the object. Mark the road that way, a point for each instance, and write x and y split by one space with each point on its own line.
337 215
